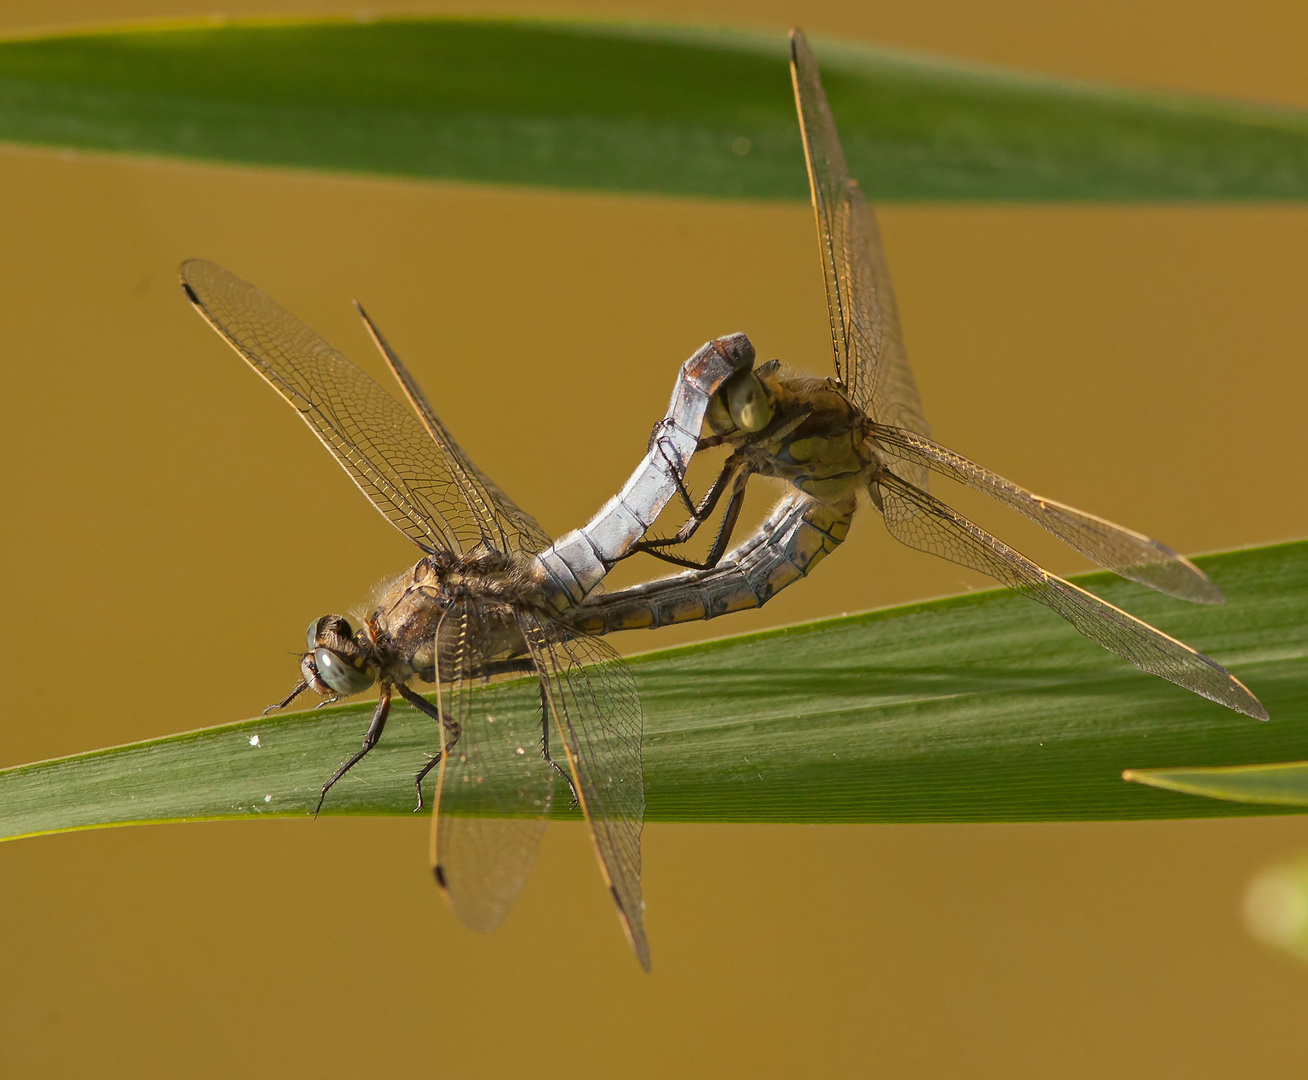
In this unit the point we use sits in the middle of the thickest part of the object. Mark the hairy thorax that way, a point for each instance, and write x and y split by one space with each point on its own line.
441 602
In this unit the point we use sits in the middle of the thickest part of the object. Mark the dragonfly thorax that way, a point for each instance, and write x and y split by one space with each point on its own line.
421 616
815 440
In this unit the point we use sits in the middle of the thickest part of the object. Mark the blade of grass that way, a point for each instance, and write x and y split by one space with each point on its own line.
1284 783
981 707
626 108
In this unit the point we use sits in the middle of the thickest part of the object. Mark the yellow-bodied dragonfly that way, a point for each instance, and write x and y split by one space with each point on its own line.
864 430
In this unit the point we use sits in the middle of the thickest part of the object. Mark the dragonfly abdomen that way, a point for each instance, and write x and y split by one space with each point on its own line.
800 533
569 570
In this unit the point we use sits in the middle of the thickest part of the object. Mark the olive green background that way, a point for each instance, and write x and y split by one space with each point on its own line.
170 527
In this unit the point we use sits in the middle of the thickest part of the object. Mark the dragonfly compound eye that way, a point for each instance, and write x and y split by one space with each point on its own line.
748 402
322 630
338 673
718 416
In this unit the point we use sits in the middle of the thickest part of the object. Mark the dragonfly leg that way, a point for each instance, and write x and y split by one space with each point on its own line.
370 739
676 469
545 741
300 688
698 514
446 722
733 475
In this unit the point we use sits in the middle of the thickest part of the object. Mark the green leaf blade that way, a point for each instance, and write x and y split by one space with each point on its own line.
626 108
982 707
1283 783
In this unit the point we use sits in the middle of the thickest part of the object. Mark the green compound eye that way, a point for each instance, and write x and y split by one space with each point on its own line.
339 674
748 402
718 416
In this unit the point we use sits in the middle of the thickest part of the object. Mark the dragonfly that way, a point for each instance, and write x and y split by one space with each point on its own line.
526 703
864 430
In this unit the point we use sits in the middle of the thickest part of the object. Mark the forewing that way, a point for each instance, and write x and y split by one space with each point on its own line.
866 338
514 528
408 477
494 788
596 711
920 521
1124 551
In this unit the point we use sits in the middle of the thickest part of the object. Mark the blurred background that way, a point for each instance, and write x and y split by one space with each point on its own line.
171 528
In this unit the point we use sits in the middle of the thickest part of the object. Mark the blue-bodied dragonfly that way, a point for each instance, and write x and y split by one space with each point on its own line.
488 603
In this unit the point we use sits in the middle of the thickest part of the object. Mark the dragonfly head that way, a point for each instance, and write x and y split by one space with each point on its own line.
743 404
337 663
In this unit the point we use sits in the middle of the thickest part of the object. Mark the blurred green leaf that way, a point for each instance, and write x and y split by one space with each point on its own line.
1276 907
983 707
626 108
1284 783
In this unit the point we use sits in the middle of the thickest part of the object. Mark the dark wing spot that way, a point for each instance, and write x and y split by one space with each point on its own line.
439 871
190 294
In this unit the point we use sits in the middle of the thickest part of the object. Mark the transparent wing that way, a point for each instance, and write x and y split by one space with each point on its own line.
515 528
1124 551
865 335
412 480
596 710
494 787
920 521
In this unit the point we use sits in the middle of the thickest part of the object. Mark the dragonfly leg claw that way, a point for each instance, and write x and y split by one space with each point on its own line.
566 779
545 744
300 688
452 732
676 472
434 760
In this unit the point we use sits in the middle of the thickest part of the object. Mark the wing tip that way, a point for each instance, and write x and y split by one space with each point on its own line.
633 929
1238 697
798 44
1255 709
185 271
1199 586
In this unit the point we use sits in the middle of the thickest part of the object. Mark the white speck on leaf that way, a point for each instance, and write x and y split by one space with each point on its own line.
267 798
254 741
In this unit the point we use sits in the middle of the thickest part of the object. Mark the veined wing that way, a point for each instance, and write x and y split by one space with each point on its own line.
596 711
865 335
920 521
494 788
1123 551
412 480
516 528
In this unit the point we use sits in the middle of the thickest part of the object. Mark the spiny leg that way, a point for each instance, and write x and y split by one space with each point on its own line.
545 740
300 688
676 469
698 514
733 475
370 739
446 724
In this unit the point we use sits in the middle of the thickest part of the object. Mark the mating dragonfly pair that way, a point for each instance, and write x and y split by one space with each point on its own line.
530 703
